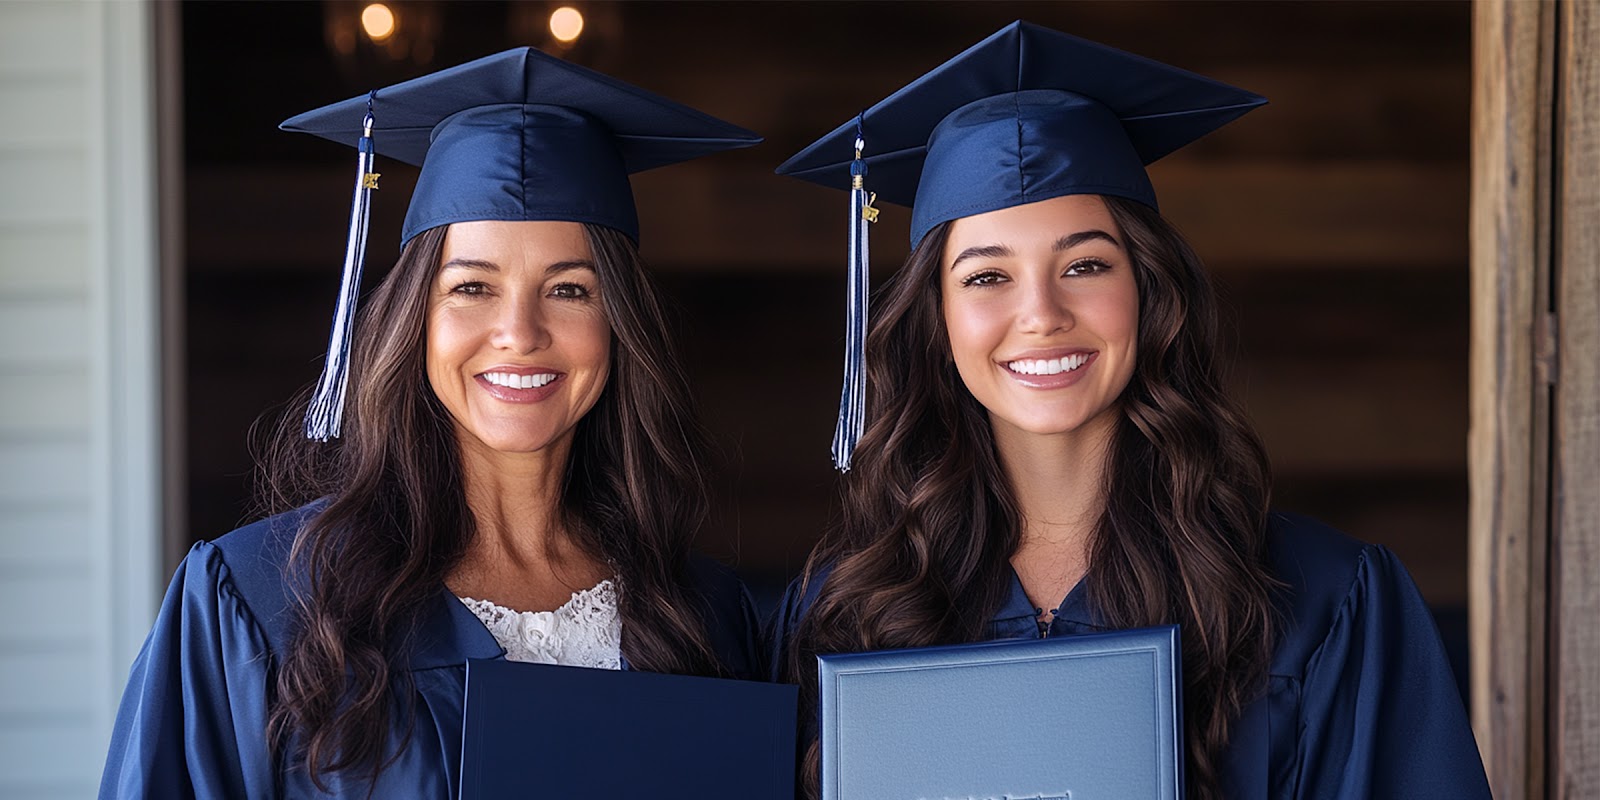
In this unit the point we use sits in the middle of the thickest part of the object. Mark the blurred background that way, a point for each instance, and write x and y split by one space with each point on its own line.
1334 220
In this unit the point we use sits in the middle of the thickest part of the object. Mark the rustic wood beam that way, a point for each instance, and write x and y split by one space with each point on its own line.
1575 542
1509 437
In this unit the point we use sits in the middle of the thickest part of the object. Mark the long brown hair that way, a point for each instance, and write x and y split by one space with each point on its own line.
396 520
922 555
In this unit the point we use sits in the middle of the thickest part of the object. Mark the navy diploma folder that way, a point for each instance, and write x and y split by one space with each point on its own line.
1091 717
537 730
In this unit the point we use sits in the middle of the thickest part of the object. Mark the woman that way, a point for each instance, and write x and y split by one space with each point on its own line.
517 476
1049 450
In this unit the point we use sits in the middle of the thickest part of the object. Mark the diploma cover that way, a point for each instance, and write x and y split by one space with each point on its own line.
537 730
1092 717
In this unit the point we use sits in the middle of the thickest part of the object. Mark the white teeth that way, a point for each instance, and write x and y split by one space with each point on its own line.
1053 366
512 380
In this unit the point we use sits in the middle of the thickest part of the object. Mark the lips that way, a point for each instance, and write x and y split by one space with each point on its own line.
522 385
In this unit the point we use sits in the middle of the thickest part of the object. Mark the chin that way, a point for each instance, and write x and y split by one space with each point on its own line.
1054 422
516 441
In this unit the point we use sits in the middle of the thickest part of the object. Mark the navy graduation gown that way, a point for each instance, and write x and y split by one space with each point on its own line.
1360 700
193 716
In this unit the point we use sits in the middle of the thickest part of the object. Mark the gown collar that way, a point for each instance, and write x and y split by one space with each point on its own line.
1016 616
449 634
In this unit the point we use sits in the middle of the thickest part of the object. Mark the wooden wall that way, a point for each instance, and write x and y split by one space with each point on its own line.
1334 219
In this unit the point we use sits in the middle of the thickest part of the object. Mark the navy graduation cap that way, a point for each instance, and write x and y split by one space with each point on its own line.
1025 115
519 135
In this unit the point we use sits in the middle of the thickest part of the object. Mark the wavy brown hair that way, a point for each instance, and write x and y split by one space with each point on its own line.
922 555
396 520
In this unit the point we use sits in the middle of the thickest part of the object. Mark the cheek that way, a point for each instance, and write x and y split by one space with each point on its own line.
447 343
586 338
1120 322
1119 326
435 341
974 329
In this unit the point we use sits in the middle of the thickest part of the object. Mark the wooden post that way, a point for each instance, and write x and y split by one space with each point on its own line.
1535 440
1575 544
1508 449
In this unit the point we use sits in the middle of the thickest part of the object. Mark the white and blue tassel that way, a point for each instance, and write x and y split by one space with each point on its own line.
325 414
853 397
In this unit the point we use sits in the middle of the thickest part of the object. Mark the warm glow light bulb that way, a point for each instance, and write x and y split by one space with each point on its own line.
378 21
566 24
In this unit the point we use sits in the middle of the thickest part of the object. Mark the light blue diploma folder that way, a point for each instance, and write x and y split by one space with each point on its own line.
1094 717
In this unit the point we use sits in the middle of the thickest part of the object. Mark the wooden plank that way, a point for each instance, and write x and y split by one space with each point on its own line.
1361 109
48 332
45 683
32 33
1575 550
44 404
43 114
46 750
1508 440
61 595
49 790
44 259
1324 417
43 188
43 534
40 473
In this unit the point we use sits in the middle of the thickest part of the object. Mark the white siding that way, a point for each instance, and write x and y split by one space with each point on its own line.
79 466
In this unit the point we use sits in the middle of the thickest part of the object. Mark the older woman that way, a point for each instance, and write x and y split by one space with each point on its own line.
516 470
1048 449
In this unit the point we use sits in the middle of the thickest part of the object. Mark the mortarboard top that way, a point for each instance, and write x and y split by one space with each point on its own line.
1025 115
522 135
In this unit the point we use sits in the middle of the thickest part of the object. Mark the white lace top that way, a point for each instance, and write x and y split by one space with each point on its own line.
586 632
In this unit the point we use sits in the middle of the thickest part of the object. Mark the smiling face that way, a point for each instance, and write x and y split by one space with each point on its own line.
518 346
1042 312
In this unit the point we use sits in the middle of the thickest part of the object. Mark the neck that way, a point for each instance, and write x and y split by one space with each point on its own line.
1057 481
515 499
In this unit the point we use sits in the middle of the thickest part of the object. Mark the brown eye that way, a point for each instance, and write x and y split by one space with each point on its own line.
470 288
982 279
1087 266
570 291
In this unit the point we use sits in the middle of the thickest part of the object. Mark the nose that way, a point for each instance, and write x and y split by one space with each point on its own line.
1046 308
519 326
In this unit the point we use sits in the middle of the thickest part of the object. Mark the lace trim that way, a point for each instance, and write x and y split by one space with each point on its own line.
585 632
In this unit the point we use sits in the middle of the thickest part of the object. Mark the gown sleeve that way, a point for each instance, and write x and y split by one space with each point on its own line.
1381 715
734 624
193 717
778 630
750 636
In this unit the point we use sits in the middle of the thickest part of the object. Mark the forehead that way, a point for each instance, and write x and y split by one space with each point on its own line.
512 242
1041 222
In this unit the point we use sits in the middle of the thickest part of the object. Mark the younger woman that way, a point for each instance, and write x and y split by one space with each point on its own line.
1048 449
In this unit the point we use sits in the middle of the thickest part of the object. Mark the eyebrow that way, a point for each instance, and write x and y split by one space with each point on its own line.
987 251
1067 242
470 263
489 266
1072 240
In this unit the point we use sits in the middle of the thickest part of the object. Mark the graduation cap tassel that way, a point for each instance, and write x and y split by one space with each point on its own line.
853 397
326 411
